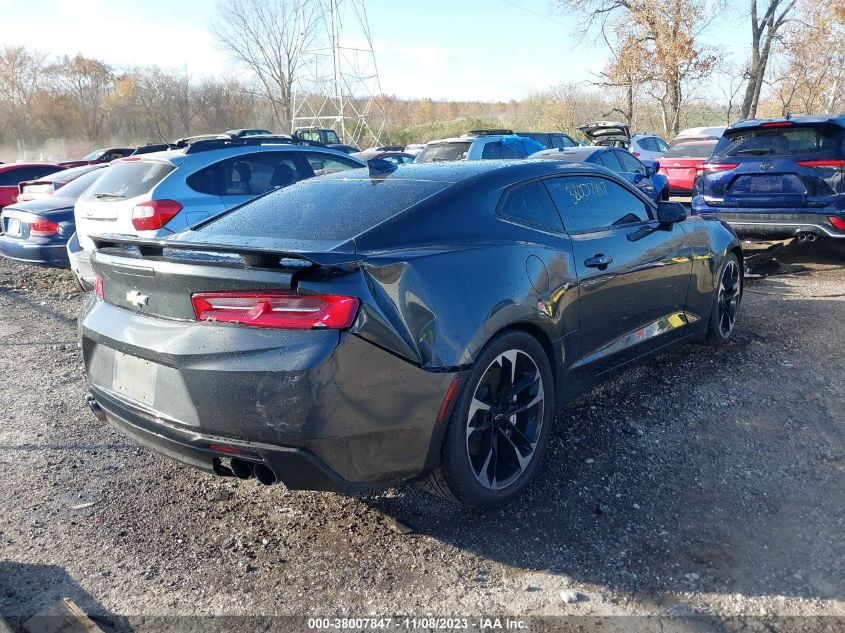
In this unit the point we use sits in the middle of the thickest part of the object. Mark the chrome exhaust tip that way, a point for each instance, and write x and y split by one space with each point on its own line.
95 407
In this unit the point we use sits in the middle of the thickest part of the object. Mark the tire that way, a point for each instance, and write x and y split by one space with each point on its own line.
492 464
726 301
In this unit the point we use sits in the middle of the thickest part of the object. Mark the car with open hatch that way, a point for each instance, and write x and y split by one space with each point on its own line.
372 328
777 178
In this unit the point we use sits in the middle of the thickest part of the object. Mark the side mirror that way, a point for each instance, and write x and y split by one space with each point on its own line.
671 212
650 171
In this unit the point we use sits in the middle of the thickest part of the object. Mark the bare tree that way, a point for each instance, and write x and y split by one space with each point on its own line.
87 83
667 31
270 37
764 32
21 74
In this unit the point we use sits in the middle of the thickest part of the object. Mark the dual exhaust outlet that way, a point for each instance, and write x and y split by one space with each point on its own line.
246 470
807 237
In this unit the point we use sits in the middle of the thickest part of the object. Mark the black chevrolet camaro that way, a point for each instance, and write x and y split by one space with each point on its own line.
370 328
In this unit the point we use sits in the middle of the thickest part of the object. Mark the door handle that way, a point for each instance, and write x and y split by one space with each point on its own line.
598 261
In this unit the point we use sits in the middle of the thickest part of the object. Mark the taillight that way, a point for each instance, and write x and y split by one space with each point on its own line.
98 287
832 164
152 215
711 167
42 228
637 154
836 222
276 310
777 124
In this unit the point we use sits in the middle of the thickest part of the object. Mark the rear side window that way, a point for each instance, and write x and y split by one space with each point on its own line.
629 163
781 141
323 164
333 208
248 175
443 152
595 203
561 141
690 150
608 159
499 150
530 204
128 179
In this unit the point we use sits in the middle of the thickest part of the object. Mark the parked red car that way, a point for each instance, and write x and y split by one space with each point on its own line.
99 156
13 173
679 164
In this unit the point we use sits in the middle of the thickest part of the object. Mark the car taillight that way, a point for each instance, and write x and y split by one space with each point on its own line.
831 164
98 287
42 228
637 154
710 167
276 310
836 222
152 215
777 124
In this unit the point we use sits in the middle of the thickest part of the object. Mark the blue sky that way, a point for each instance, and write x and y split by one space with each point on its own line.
443 49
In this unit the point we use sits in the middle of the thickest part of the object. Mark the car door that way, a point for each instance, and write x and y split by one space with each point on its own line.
633 273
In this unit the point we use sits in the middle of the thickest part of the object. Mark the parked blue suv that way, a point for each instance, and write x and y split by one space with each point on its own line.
777 178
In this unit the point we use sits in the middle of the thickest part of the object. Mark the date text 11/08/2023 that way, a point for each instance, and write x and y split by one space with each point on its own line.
427 623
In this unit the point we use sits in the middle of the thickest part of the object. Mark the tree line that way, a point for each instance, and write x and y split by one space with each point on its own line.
659 77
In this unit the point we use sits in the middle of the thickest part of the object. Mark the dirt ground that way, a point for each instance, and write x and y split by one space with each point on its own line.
704 482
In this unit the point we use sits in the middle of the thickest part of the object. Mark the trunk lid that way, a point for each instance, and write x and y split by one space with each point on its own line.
158 277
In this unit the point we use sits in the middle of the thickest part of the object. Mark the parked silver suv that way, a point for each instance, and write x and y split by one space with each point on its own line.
161 193
479 145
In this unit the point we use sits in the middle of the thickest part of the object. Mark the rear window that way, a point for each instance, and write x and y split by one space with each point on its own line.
331 208
76 186
443 152
690 150
128 179
781 141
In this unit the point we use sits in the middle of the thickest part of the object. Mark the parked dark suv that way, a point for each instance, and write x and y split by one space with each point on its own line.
777 178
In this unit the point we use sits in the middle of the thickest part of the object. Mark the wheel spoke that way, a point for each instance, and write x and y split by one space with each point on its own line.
521 459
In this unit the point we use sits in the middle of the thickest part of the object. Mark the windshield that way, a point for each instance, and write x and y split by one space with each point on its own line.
440 152
93 155
76 186
328 207
690 150
781 141
128 179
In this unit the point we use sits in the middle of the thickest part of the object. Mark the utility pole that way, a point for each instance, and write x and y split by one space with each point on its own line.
338 86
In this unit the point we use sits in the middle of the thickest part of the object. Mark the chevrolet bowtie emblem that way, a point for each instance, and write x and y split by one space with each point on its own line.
137 299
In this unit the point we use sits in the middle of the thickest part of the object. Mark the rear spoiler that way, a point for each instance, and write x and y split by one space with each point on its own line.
258 257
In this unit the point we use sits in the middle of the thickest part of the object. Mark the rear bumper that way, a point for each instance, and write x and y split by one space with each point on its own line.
324 410
768 223
297 468
32 252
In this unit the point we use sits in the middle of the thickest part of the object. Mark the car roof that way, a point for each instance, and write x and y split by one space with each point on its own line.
11 166
797 120
178 156
461 170
571 153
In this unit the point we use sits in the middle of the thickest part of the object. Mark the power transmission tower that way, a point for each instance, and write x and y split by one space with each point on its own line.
338 85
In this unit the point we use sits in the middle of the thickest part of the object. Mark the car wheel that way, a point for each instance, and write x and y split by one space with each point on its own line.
499 427
726 302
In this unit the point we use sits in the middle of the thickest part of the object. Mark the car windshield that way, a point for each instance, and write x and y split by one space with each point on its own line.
690 150
76 186
781 141
93 155
439 152
127 179
333 208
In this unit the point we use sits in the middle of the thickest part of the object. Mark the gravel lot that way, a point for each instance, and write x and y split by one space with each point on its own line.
703 482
